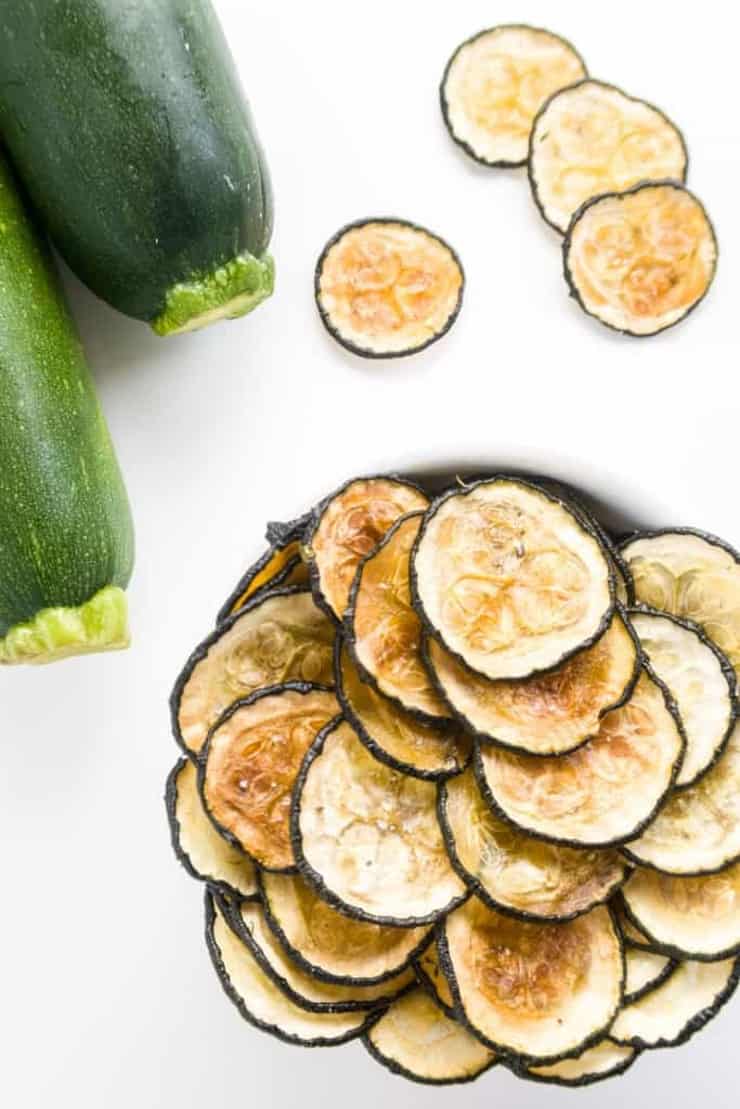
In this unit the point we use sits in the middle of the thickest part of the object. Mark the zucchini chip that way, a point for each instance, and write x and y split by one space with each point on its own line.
328 945
604 793
367 837
687 918
392 735
701 682
384 630
202 851
670 1014
251 761
606 1059
591 139
541 991
261 1002
386 288
347 526
280 565
432 978
416 1040
513 872
548 714
509 579
645 971
640 261
277 637
496 82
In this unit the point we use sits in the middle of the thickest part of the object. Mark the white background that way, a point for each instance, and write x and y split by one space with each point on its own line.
105 986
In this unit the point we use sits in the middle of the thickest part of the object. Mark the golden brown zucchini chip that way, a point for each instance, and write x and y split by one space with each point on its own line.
416 1040
386 288
280 565
394 736
548 714
327 944
367 837
646 970
541 991
606 1059
591 139
604 793
640 261
277 637
432 978
203 852
514 872
496 82
509 579
250 763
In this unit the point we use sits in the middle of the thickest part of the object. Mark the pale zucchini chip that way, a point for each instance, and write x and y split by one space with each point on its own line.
592 138
329 945
367 837
548 714
280 565
250 764
509 579
496 82
541 991
416 1040
514 872
606 1059
432 978
646 970
277 637
605 792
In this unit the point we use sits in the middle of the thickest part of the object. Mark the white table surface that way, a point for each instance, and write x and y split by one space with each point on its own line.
107 996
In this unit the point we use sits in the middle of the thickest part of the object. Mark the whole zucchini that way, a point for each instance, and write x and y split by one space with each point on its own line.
66 537
127 122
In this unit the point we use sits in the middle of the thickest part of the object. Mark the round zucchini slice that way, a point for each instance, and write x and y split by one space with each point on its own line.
347 526
606 1059
496 82
541 991
392 735
591 139
367 837
250 763
327 944
432 979
386 288
277 637
604 793
701 681
204 853
416 1040
645 971
515 873
509 579
548 714
384 630
281 564
640 261
687 918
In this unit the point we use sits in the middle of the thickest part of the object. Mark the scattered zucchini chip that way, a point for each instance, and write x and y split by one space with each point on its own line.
606 1059
392 735
277 637
367 837
347 526
548 714
330 946
604 793
204 853
416 1040
384 630
701 682
386 288
646 970
509 579
280 565
515 873
687 918
250 763
591 139
640 261
496 82
541 991
432 979
671 1014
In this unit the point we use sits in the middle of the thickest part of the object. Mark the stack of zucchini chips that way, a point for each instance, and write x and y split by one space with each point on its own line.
462 778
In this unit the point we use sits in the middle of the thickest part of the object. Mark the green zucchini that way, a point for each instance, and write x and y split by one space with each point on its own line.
66 536
128 124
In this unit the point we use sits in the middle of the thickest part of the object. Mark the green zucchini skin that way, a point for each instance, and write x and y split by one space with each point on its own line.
127 122
65 524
